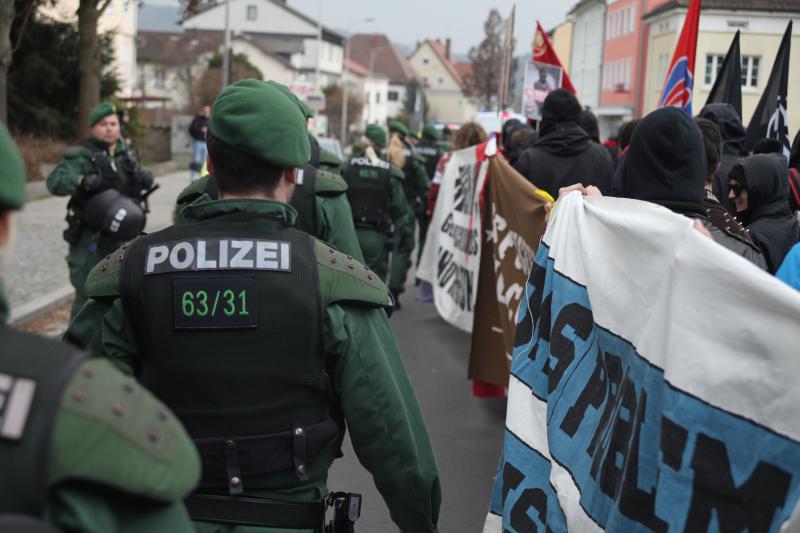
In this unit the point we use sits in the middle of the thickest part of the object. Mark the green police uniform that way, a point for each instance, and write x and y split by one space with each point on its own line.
319 198
415 185
241 297
429 152
82 447
116 166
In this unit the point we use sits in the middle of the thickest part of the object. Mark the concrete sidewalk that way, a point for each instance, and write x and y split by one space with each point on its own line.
38 277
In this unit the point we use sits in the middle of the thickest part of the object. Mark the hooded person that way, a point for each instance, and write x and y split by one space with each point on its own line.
588 121
733 132
794 175
564 153
666 165
760 191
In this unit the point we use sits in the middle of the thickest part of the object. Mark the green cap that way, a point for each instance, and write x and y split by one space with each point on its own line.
399 127
430 132
376 134
414 134
259 119
293 97
100 112
12 177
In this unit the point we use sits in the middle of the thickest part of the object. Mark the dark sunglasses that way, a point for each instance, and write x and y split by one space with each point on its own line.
736 188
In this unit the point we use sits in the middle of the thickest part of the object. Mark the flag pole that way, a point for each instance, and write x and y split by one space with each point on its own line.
507 50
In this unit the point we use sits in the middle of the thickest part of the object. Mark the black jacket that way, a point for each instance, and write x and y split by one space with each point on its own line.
666 165
772 225
733 132
566 156
196 127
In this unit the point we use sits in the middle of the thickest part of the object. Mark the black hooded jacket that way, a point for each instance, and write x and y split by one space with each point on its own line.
772 225
564 154
733 132
666 164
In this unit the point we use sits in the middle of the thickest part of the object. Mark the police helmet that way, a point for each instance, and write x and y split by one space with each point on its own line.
115 215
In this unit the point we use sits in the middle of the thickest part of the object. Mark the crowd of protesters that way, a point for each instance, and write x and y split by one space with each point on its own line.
698 168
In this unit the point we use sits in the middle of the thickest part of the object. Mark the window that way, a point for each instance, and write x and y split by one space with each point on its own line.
252 12
621 22
425 61
751 66
393 96
377 98
750 69
440 81
159 78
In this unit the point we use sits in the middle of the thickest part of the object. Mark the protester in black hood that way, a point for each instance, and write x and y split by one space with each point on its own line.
733 132
588 121
564 153
510 127
794 175
794 156
521 140
760 191
666 164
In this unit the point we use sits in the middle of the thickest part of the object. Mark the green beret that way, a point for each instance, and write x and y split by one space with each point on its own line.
430 132
376 134
12 178
414 134
100 112
257 118
293 97
399 127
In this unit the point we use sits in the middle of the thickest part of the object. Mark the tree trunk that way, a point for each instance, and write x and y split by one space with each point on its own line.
89 61
6 18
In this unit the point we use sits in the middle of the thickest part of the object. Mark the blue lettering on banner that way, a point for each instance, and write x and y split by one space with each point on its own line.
644 455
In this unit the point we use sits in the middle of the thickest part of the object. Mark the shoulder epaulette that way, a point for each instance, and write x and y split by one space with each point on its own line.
76 151
345 280
112 431
329 183
329 158
397 172
103 279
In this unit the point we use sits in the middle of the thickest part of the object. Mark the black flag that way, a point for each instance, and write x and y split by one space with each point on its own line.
728 85
770 119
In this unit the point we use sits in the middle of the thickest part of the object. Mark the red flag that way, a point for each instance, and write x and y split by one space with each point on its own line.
543 53
680 78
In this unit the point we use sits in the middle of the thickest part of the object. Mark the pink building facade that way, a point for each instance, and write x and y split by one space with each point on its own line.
623 72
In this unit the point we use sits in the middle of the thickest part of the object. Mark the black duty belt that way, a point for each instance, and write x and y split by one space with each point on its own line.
256 511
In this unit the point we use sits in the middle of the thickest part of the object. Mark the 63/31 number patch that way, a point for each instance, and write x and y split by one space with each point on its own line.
215 303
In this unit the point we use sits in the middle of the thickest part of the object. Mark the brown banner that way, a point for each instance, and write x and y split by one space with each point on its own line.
514 221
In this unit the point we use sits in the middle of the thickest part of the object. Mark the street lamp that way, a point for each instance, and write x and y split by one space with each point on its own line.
350 27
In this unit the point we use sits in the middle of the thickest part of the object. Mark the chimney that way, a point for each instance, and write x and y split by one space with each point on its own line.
447 48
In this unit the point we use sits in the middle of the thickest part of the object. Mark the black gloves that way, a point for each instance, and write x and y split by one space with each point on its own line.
93 183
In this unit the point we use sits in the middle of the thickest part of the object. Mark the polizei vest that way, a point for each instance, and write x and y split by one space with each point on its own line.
369 190
228 320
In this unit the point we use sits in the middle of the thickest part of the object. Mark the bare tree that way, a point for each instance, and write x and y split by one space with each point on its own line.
487 61
91 68
12 12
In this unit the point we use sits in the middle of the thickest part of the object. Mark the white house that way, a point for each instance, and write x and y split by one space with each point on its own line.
588 39
300 40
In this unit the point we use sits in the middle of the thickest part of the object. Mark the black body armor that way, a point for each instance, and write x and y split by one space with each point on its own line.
228 319
369 191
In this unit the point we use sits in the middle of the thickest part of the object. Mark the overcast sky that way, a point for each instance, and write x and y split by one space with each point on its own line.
408 21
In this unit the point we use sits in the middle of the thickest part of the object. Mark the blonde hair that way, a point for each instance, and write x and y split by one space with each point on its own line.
396 151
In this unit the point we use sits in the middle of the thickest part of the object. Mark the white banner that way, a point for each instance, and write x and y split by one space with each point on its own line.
452 252
654 382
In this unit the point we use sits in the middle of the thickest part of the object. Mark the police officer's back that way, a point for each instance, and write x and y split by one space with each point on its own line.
82 447
263 339
107 187
380 209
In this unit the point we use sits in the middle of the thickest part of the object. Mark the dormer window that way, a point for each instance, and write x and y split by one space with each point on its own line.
252 12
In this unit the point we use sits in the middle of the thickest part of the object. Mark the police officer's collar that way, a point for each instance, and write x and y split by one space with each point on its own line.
102 145
204 208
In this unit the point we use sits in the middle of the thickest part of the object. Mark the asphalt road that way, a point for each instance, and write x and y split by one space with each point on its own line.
466 432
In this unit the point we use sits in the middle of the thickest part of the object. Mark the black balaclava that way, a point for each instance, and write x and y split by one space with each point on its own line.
588 121
510 127
666 162
559 108
730 125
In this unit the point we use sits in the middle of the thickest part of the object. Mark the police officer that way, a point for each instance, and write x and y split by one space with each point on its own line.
108 187
380 210
319 196
429 151
264 340
82 447
415 184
